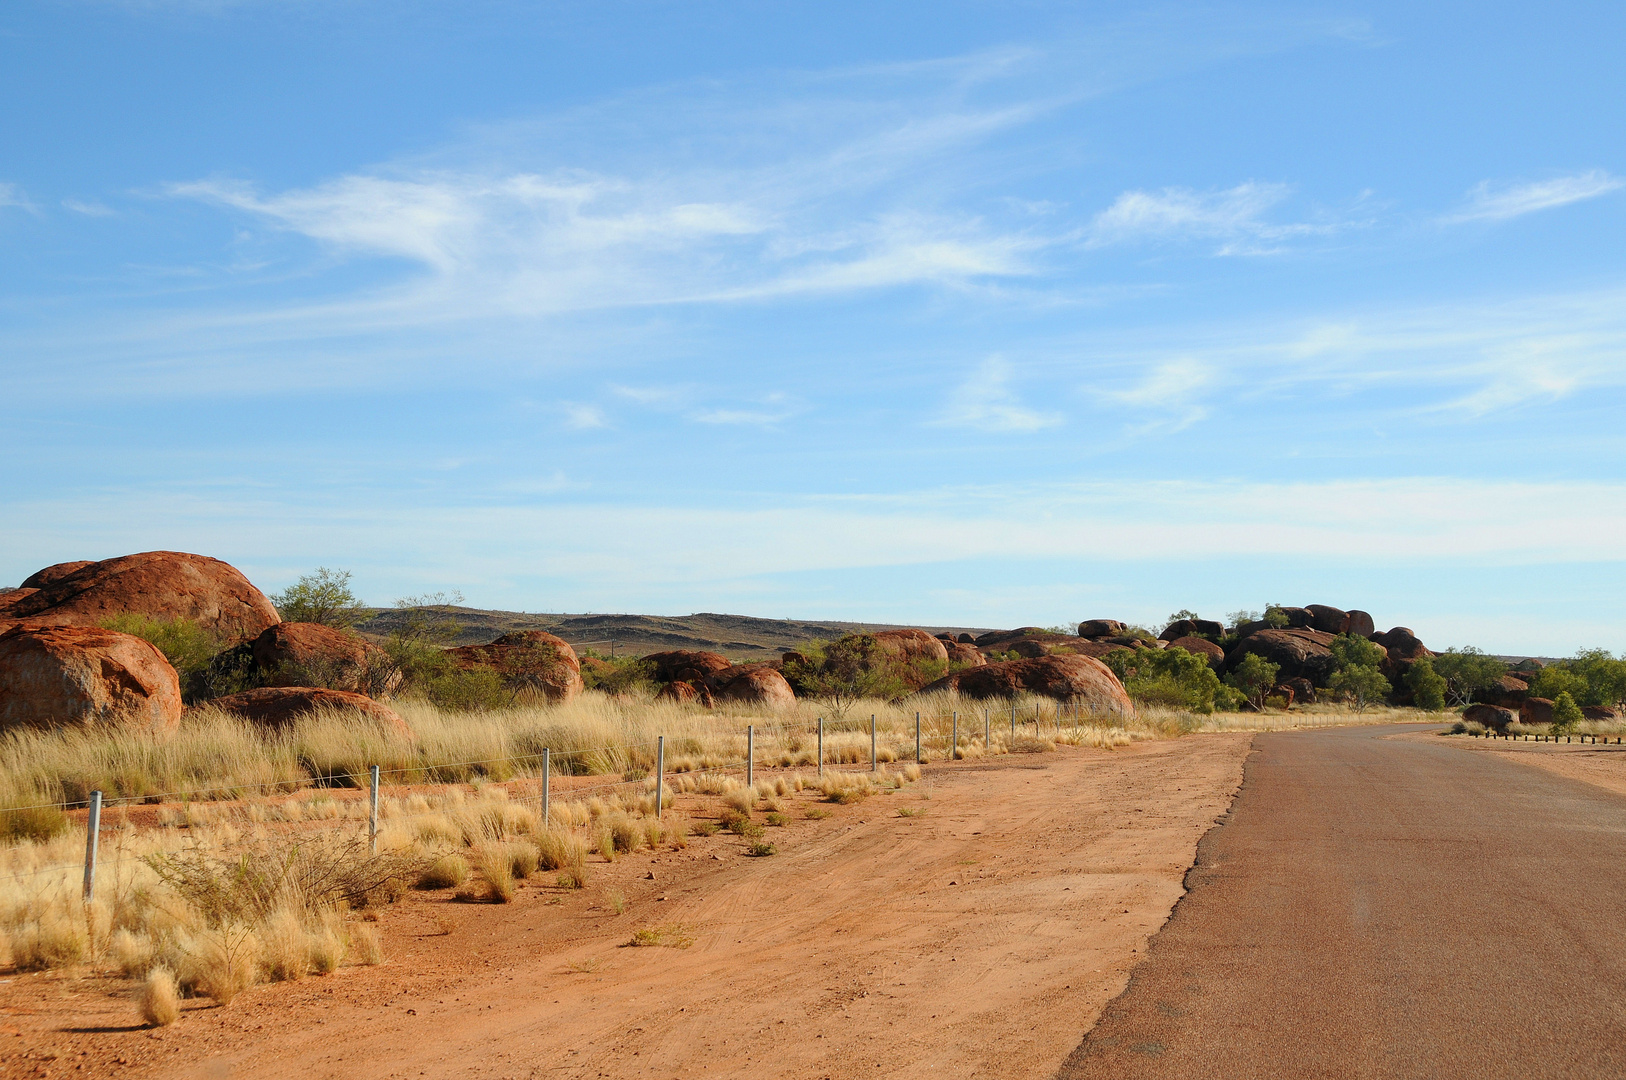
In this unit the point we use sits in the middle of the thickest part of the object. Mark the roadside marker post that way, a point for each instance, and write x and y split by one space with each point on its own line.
660 773
93 832
372 808
750 755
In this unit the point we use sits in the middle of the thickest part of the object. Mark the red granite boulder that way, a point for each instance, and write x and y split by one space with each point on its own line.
1081 679
58 675
528 659
279 706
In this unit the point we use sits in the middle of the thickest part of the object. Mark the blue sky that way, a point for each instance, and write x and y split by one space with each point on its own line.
963 313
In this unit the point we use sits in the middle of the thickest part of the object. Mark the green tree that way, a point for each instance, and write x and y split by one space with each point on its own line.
1350 650
1566 713
1361 683
1605 677
1468 673
1254 677
1427 685
1179 616
1275 616
843 672
1237 618
1552 681
323 597
1173 678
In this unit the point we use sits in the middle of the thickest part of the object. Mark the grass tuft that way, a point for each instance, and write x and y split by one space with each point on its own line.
160 998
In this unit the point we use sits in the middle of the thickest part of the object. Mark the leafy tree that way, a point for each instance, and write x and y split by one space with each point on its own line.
1237 618
323 597
189 647
1605 677
1254 677
1468 673
843 672
1566 713
1171 677
1179 616
1361 683
1552 681
1349 650
1427 685
1275 616
617 675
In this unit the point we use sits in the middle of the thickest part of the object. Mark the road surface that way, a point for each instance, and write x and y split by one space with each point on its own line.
1385 905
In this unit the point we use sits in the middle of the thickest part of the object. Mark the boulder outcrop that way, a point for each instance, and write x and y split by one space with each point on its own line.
752 684
1081 679
1491 716
686 693
1536 710
692 666
57 675
310 654
1303 690
911 645
1600 713
1203 628
279 706
1299 654
54 573
1506 691
1200 647
1099 628
966 654
528 659
157 584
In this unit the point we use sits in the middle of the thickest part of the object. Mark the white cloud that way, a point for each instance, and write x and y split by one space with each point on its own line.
1488 203
89 209
986 402
1235 216
12 195
1172 388
583 417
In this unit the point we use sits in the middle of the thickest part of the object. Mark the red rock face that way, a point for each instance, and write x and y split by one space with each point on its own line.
53 574
1600 712
752 684
686 693
54 675
1200 647
157 584
292 653
279 706
1536 710
1507 692
1100 628
1492 716
13 596
685 665
1300 654
1096 649
1327 619
909 645
966 654
530 657
1081 679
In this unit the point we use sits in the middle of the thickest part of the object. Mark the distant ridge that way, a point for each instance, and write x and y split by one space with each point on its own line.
735 636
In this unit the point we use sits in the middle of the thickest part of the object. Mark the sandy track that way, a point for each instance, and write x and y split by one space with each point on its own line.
977 939
1383 905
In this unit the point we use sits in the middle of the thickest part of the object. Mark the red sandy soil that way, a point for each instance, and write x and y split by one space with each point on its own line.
978 937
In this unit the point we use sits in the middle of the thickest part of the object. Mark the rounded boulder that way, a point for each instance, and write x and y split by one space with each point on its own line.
911 645
752 684
279 706
1198 646
1073 678
56 675
533 659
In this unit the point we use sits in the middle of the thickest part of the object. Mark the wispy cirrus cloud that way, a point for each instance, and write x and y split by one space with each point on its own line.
1488 202
1236 217
12 195
985 401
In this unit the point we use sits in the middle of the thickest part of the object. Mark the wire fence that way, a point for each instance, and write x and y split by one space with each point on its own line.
935 737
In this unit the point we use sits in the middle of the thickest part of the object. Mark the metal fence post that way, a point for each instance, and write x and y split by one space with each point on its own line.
917 738
93 832
547 772
873 763
821 748
750 755
372 808
660 773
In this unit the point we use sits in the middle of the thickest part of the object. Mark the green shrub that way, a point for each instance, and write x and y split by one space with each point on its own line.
840 673
1170 677
1566 713
34 823
1254 677
1360 683
1427 686
618 675
1552 681
322 597
1467 672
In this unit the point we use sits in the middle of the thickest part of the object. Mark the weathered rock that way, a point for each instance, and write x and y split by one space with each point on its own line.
310 654
1507 692
1028 649
1492 716
911 645
1200 647
1248 629
966 654
1303 690
693 666
157 584
752 684
1099 628
53 574
686 693
1529 665
791 657
1536 710
55 675
1298 618
1401 647
1329 620
966 639
1096 649
1081 679
10 597
1360 624
279 706
533 659
1299 654
1203 628
1600 713
1283 693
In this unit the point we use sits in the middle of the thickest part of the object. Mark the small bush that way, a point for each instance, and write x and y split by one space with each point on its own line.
367 943
625 834
496 867
446 872
777 819
160 998
572 879
745 827
760 849
669 936
815 814
1566 713
704 828
523 859
34 824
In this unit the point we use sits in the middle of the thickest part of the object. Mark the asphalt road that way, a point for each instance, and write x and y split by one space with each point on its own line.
1382 907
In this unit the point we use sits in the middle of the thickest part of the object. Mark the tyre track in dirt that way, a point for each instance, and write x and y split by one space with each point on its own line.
1382 905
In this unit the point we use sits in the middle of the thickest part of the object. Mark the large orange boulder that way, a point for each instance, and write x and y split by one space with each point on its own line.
311 654
1081 679
686 693
528 658
279 706
687 665
1299 654
54 675
9 597
157 584
911 645
1492 716
752 684
1536 710
1100 628
55 573
966 655
1200 647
